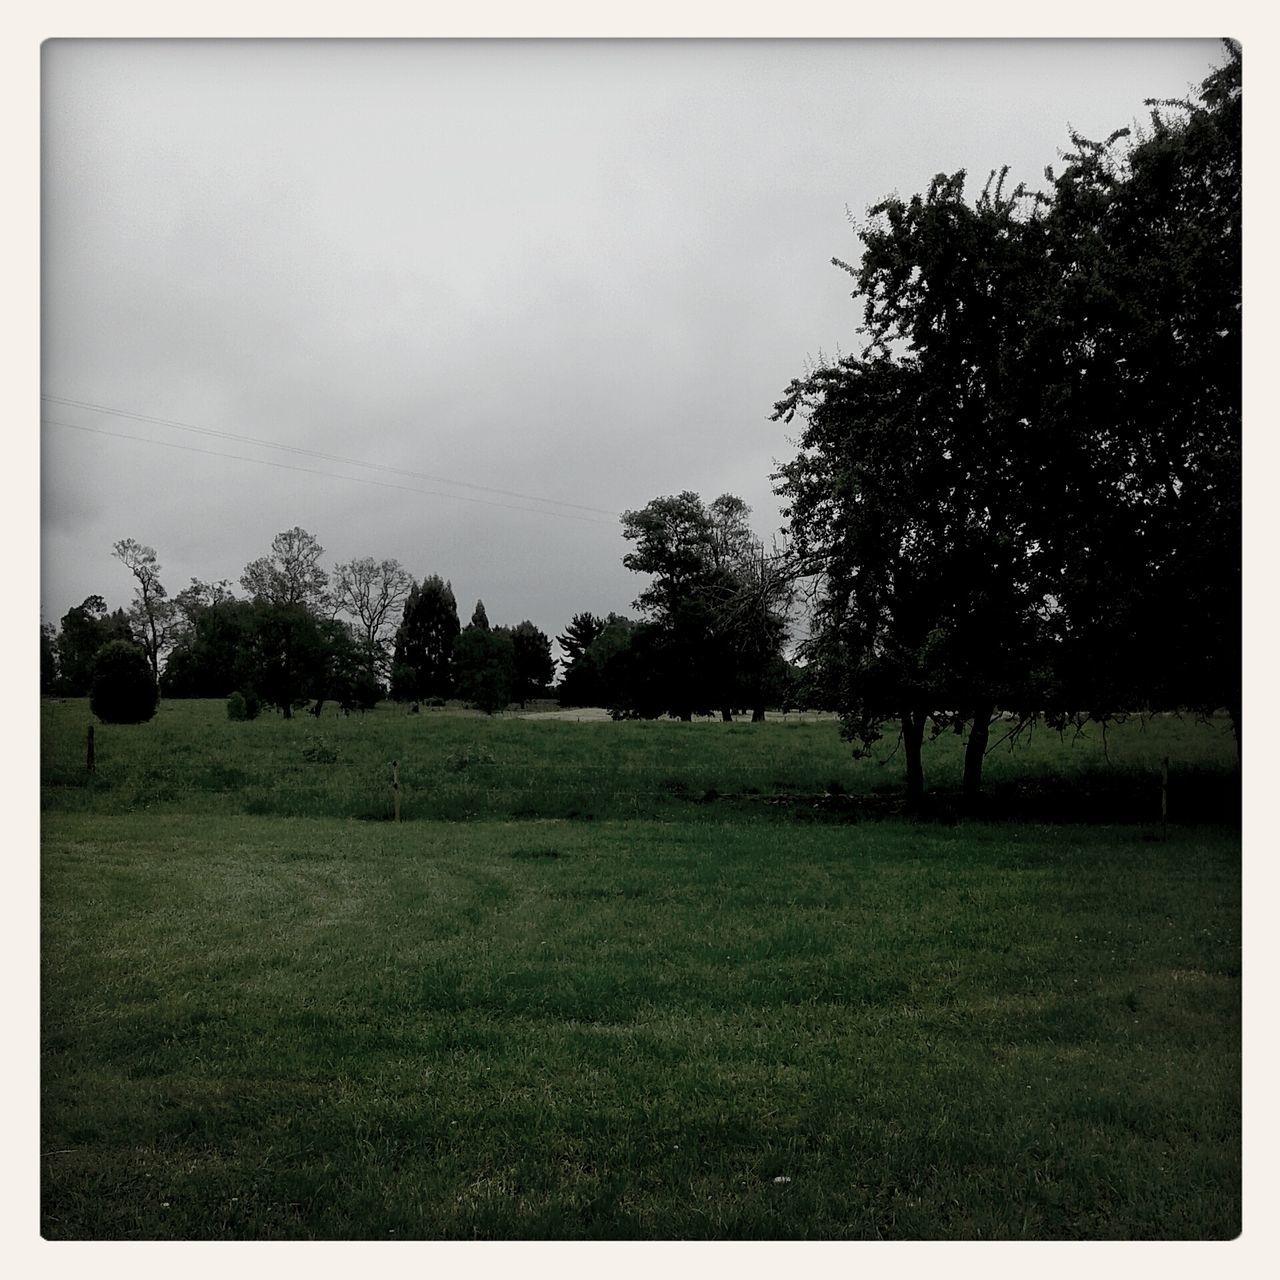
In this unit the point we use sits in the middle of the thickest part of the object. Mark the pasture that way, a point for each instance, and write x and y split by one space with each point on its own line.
630 981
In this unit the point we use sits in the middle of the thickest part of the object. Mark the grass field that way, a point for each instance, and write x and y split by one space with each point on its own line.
680 1018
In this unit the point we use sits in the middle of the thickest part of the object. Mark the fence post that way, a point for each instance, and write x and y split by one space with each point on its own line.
395 786
1164 798
88 760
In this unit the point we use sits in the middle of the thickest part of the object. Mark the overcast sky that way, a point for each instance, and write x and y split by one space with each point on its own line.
577 272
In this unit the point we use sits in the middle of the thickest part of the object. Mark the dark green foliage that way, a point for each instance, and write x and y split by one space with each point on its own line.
484 667
48 659
479 618
83 631
1024 493
1147 427
584 682
716 612
533 666
216 653
243 706
124 690
422 663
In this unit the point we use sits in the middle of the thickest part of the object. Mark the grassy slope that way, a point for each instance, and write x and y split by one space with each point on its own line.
263 1027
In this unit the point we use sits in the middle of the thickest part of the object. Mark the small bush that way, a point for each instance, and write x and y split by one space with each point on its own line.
320 751
243 706
123 691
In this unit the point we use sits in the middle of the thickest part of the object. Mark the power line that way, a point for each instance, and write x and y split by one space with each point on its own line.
314 453
286 466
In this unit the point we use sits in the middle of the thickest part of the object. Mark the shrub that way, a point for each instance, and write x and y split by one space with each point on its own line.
243 706
124 690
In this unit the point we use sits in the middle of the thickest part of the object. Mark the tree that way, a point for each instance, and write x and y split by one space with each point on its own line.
590 642
83 630
370 592
533 666
193 600
291 576
48 659
124 687
423 655
1006 498
213 655
479 618
484 665
578 635
151 613
1144 405
710 598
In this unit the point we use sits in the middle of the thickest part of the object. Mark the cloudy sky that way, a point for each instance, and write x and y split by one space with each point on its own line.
462 302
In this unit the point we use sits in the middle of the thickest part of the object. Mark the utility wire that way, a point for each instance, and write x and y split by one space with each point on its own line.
286 466
314 453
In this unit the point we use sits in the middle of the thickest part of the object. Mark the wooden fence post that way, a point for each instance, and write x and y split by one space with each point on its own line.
89 763
395 786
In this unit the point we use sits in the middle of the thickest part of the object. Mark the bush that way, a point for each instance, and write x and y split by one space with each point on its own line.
243 706
124 690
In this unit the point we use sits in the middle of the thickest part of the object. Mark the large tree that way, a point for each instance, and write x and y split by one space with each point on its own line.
152 613
484 667
422 663
1034 462
83 630
720 619
1144 407
532 665
371 594
291 576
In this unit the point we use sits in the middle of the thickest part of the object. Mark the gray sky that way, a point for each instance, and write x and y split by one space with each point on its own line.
579 271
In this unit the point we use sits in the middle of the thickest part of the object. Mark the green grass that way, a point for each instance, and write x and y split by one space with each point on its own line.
191 759
682 1019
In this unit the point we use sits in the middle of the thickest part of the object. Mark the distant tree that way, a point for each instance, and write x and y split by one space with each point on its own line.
423 656
371 593
124 688
717 606
578 635
533 666
479 618
48 658
84 629
291 576
590 642
214 654
346 670
193 599
151 614
484 667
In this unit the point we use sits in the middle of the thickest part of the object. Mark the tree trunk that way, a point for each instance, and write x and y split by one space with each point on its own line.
912 739
726 715
319 707
686 716
975 750
757 715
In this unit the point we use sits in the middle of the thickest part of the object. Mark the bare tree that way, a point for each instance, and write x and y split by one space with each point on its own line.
372 592
151 613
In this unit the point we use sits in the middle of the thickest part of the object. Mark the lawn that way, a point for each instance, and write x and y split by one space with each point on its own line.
700 1022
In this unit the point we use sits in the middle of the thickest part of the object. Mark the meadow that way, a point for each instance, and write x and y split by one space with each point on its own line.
630 981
